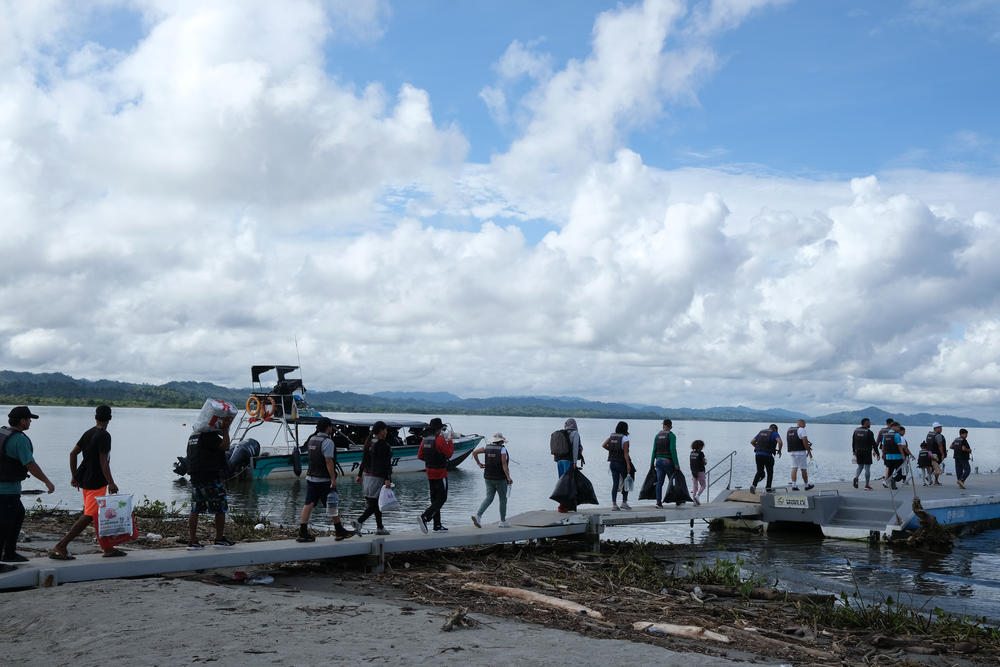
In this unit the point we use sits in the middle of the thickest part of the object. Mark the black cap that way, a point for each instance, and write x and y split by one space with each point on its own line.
21 412
323 424
436 424
103 413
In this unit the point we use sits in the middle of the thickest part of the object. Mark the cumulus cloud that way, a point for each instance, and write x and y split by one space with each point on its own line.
191 205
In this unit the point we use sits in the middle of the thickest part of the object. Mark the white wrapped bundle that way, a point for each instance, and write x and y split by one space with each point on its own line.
212 414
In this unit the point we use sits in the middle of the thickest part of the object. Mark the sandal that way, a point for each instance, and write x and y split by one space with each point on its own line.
115 553
55 555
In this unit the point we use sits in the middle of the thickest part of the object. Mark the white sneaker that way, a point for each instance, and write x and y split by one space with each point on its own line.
475 520
504 524
696 501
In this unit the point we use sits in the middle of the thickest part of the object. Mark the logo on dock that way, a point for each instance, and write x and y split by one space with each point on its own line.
800 502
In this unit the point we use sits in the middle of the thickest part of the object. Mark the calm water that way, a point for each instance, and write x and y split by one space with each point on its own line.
146 442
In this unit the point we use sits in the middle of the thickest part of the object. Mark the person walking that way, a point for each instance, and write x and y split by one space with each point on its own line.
17 461
664 458
207 465
321 481
963 455
864 447
893 455
800 449
937 444
698 483
93 477
496 472
765 444
435 450
566 450
879 440
374 474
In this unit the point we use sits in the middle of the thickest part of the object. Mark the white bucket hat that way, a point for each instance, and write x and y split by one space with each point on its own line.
495 438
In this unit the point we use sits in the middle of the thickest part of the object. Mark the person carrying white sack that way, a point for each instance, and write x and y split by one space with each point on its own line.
496 472
375 474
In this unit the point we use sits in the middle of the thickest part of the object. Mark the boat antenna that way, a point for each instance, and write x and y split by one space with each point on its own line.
299 360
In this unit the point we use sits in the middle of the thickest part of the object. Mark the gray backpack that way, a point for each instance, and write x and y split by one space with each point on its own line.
560 445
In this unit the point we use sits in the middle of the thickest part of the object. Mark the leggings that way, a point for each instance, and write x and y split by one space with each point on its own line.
618 471
765 466
697 483
867 467
371 507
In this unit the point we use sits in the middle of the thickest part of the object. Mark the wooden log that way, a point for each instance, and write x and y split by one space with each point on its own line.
531 596
686 631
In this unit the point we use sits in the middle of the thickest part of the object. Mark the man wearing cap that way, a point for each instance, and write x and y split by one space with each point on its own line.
496 472
435 450
16 462
321 481
936 443
93 478
664 458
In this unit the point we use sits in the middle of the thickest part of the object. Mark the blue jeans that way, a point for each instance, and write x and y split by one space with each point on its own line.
962 469
563 466
664 469
495 487
618 471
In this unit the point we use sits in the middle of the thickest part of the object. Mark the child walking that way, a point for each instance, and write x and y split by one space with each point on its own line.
697 470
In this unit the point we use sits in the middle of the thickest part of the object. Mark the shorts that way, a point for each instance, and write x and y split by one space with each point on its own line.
371 486
208 497
90 501
317 492
799 459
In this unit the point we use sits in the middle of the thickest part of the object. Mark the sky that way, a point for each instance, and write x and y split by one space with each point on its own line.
694 203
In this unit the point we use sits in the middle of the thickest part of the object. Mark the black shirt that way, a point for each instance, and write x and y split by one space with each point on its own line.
377 459
211 459
92 444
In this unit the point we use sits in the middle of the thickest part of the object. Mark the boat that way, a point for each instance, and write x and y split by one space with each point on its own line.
269 437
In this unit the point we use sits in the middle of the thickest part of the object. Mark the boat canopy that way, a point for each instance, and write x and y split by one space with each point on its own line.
257 371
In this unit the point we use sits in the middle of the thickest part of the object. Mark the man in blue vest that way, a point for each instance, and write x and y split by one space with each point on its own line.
766 444
17 461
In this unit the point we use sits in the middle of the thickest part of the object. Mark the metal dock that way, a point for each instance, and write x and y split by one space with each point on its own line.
587 524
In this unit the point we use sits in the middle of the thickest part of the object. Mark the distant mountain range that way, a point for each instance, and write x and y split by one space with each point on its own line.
18 388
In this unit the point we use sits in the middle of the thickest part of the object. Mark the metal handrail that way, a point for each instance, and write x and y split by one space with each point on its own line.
708 475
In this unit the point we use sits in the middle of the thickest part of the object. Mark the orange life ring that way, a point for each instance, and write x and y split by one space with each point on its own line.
253 406
267 409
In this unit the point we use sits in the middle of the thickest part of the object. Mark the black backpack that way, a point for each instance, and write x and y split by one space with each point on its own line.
560 445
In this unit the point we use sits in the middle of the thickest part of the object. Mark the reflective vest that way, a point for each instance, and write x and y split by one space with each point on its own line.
794 443
616 448
11 469
317 462
494 462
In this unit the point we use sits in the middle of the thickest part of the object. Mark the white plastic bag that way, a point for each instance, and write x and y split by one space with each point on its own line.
628 482
114 515
510 489
212 414
387 500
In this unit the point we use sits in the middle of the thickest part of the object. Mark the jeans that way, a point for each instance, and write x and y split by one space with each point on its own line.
962 469
765 465
563 466
867 468
11 519
439 494
619 469
495 487
664 471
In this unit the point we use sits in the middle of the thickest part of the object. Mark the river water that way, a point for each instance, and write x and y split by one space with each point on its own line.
145 443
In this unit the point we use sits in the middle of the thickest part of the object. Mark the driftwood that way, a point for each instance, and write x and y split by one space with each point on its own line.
930 533
459 619
760 593
531 596
778 643
686 631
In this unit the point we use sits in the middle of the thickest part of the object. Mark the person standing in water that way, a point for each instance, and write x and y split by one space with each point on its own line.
619 463
496 472
93 478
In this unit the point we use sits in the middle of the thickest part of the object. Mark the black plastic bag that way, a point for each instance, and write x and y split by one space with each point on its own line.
677 492
573 489
648 490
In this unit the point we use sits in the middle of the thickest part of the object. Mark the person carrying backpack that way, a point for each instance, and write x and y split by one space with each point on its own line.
566 449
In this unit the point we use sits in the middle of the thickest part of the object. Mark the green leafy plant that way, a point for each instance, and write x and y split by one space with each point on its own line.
157 509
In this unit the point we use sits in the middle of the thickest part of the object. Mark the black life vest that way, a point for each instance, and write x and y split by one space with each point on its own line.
494 462
616 447
432 457
924 459
697 461
792 438
317 462
11 469
860 442
889 444
936 445
764 442
880 438
960 454
662 446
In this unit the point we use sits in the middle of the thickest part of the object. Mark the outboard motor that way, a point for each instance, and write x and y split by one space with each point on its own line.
240 454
